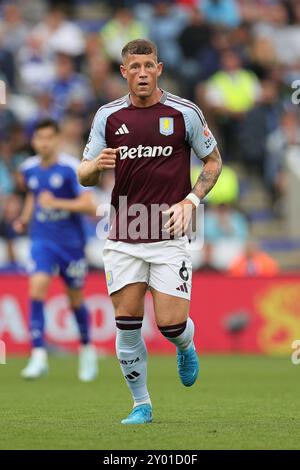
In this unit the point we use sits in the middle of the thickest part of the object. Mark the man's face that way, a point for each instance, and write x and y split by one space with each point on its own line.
141 72
230 61
45 141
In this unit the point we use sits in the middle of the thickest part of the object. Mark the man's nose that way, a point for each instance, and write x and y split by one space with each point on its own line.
143 72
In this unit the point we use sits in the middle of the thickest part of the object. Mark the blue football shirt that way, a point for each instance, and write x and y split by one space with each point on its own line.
60 227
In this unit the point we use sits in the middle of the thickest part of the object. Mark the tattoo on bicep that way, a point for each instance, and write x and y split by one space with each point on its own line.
209 174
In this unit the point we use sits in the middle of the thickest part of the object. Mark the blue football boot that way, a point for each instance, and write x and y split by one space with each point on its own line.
188 366
140 414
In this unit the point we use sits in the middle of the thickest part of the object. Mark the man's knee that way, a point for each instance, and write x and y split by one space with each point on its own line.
129 301
169 310
124 310
75 298
38 286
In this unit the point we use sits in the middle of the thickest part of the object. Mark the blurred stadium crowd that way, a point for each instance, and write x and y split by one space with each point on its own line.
235 58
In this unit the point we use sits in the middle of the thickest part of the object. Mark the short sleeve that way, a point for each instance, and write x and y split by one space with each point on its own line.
28 170
199 136
96 141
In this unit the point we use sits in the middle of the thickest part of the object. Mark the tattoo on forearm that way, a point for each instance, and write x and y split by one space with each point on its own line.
209 175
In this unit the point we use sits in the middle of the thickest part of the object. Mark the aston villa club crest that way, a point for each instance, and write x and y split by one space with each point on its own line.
166 125
109 278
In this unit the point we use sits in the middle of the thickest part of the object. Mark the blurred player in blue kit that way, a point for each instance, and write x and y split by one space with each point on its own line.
53 208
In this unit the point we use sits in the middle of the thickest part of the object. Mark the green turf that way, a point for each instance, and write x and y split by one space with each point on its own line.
240 402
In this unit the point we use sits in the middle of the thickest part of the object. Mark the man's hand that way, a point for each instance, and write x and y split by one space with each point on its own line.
107 159
46 200
180 217
20 225
90 170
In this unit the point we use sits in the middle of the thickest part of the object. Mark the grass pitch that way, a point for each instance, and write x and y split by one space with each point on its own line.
240 402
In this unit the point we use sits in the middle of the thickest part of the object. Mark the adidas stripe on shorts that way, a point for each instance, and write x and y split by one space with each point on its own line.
165 265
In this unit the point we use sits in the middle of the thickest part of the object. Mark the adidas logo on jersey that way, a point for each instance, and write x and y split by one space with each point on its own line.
142 151
122 130
182 288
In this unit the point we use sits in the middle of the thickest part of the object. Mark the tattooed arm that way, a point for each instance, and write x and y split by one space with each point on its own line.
209 174
181 213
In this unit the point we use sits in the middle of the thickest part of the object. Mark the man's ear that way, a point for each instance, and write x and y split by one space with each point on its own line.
160 67
123 71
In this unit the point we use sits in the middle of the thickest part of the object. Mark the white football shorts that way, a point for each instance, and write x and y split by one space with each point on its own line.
166 266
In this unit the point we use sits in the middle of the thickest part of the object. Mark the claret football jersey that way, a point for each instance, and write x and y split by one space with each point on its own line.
153 162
